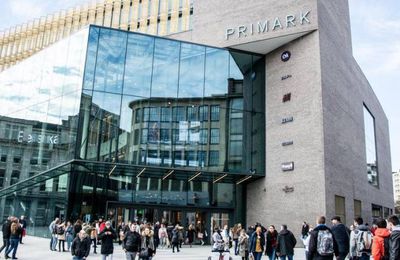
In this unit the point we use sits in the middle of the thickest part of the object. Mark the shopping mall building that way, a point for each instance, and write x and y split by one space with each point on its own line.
244 111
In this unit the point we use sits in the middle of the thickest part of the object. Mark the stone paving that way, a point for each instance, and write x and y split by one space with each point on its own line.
35 248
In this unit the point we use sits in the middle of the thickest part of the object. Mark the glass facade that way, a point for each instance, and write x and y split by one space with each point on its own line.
370 147
151 127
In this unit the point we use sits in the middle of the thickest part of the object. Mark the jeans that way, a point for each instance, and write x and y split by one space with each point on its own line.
290 257
69 241
235 241
77 258
13 246
107 257
130 255
54 242
257 255
271 255
6 245
163 242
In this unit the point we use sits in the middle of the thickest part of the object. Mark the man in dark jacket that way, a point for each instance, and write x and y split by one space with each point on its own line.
107 237
341 234
322 244
394 239
6 234
132 242
80 247
286 243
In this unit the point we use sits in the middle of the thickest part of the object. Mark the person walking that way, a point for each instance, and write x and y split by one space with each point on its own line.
272 241
61 236
106 237
243 245
22 222
394 239
200 232
69 236
285 243
77 227
190 235
257 243
80 247
148 250
93 237
175 239
322 245
381 237
341 234
15 233
163 235
360 240
6 229
131 242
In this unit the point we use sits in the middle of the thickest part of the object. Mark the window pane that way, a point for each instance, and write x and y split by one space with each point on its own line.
215 113
214 136
370 148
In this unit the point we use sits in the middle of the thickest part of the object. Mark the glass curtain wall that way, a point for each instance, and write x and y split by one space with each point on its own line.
40 100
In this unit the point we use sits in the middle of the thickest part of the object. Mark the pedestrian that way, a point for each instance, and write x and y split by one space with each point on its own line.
156 237
181 236
272 241
218 240
52 227
190 235
235 238
322 245
243 245
200 232
69 236
61 236
54 235
162 234
22 222
6 229
257 243
175 239
131 242
381 241
148 250
107 237
93 237
360 241
15 233
286 243
304 230
227 237
394 240
341 234
77 227
306 241
80 247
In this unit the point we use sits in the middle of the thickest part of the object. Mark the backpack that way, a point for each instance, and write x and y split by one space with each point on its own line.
386 253
363 241
325 243
60 230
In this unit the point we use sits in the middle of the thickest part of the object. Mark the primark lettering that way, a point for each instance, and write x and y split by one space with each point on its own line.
267 25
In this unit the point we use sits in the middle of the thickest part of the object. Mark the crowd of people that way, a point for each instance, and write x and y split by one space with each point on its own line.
14 230
141 240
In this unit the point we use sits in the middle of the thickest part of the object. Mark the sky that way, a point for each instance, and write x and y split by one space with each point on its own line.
375 27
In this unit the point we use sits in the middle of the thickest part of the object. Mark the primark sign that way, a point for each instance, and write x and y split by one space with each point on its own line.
265 26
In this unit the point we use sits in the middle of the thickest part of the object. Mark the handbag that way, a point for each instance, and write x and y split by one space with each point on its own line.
144 253
200 235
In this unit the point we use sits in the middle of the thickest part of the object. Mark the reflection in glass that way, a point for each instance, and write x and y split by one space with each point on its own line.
370 147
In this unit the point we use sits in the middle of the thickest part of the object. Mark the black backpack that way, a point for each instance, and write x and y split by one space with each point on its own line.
386 253
60 231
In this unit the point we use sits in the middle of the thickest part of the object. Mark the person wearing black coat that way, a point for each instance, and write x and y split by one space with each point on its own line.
394 239
131 242
341 234
107 237
286 243
312 247
6 234
80 247
272 240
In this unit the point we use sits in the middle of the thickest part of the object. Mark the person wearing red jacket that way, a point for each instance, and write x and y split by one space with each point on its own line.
378 247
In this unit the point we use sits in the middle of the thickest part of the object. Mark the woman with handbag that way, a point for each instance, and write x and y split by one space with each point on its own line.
148 249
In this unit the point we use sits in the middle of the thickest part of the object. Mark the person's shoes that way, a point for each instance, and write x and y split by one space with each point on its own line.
20 242
179 251
6 257
202 243
173 251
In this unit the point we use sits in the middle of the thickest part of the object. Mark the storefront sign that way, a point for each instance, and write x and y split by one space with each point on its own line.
285 56
261 27
287 166
37 138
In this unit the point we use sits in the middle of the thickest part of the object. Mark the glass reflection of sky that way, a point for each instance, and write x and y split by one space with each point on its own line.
47 86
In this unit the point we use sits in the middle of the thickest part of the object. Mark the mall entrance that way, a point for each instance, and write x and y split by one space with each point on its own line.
204 218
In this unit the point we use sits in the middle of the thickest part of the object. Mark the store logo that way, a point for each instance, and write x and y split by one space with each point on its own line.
287 166
285 56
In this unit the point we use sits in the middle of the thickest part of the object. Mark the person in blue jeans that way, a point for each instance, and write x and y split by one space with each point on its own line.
15 233
285 244
257 243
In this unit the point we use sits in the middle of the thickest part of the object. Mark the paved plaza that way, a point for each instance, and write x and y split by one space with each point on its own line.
35 248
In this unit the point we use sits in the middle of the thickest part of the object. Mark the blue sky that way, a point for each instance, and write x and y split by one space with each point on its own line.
375 29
